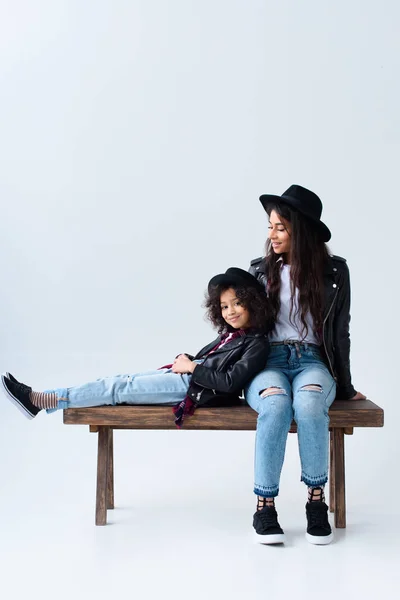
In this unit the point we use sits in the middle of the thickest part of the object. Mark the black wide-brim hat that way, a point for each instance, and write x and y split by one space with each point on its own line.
237 278
305 202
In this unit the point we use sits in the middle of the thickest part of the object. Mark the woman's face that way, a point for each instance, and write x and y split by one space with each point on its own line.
234 313
279 231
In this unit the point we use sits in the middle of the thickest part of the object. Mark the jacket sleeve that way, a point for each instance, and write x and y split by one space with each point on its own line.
238 374
341 338
256 262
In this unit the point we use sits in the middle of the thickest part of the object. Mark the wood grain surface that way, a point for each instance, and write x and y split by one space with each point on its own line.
343 413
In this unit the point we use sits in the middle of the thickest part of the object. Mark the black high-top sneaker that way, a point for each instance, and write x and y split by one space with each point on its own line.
318 529
19 394
268 530
11 377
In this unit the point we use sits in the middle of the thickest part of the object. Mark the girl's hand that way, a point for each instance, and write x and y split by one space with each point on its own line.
359 396
183 364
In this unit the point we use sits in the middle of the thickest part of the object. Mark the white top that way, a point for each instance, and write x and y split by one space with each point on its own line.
286 328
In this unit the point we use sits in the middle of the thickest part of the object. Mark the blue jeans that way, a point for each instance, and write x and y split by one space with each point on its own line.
152 387
290 369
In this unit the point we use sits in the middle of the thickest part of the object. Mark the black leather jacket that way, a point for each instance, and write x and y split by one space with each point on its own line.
335 332
224 373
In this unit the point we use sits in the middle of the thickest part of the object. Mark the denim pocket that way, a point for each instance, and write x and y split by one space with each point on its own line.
313 353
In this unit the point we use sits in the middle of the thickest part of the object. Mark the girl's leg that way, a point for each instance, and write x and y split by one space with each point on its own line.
269 393
161 386
152 387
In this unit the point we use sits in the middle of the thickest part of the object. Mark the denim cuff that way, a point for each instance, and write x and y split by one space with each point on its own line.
266 492
62 397
314 481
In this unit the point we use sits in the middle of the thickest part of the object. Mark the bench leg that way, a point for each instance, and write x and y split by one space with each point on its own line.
110 472
102 475
339 476
331 474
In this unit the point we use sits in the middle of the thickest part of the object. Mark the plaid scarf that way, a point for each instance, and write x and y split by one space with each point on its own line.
187 406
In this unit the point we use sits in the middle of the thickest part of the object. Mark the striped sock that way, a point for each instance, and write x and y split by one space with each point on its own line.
44 399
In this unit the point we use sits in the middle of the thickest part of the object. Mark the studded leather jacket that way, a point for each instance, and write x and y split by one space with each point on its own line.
223 373
335 331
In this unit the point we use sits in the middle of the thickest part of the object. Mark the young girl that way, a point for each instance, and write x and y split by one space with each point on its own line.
237 306
308 364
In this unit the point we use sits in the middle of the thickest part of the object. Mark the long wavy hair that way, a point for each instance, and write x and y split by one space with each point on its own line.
307 259
253 298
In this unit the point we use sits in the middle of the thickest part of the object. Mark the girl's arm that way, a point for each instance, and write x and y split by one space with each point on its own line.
238 374
183 364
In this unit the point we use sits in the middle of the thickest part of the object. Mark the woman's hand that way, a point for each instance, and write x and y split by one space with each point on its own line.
359 396
183 364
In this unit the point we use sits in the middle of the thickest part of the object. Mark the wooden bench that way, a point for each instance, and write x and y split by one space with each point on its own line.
344 416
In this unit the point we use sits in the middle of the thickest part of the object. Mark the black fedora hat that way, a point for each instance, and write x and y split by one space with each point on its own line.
305 202
236 277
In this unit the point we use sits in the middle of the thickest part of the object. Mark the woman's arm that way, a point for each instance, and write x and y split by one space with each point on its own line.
341 337
238 374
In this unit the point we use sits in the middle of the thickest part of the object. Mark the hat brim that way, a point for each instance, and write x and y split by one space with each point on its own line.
322 229
245 280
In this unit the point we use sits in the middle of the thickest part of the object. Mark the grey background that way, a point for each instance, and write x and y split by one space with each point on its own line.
135 139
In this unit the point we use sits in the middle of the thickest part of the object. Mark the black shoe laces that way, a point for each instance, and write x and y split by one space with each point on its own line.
21 387
317 515
268 518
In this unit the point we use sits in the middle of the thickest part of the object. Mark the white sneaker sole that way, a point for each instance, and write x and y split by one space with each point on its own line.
15 401
319 540
275 538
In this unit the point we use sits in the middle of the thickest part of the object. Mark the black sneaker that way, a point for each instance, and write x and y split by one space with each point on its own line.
268 530
318 529
18 393
11 377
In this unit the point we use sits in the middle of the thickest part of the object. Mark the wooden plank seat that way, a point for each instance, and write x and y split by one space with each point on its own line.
344 416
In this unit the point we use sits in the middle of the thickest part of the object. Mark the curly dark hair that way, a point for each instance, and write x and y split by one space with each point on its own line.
255 300
308 256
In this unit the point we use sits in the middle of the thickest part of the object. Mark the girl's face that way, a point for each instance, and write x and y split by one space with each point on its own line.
279 231
234 313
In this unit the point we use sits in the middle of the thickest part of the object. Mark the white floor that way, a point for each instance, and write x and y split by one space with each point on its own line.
182 523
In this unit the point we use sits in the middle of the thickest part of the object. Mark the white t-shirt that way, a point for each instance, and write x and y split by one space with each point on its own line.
286 328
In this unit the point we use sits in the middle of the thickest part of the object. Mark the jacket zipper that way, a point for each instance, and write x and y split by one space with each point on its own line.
198 395
323 335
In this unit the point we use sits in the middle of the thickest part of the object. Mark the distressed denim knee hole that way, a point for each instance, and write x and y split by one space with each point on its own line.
311 387
272 391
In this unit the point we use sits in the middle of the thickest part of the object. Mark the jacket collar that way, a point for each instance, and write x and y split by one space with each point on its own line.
329 268
233 343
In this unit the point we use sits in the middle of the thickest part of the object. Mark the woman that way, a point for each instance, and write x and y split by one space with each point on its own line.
237 306
308 364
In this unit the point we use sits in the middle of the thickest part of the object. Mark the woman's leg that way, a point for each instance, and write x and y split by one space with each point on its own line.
269 393
314 390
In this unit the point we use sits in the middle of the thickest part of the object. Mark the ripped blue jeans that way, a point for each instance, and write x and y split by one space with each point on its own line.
300 387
